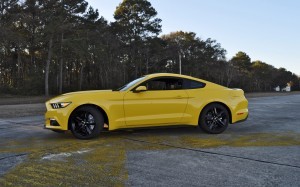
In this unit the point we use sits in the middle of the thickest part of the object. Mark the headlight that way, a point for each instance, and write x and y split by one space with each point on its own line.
60 105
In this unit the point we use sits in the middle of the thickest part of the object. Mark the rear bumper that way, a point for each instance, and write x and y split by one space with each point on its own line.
242 120
240 112
240 115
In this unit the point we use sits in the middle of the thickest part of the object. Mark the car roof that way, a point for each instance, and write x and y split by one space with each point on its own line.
173 75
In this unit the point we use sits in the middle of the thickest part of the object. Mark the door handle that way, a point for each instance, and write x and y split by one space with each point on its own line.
179 97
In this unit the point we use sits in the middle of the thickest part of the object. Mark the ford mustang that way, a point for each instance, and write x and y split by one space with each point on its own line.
161 99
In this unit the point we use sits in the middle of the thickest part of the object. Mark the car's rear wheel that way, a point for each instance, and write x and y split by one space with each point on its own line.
214 118
86 122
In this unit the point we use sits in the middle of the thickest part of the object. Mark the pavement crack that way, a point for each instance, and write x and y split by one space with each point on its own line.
47 150
11 156
213 153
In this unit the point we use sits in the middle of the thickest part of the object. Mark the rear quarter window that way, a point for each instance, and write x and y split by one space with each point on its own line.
191 84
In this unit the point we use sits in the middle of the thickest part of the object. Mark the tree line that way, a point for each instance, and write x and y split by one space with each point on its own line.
56 46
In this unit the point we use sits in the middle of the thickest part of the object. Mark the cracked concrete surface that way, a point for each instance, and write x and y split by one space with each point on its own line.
262 151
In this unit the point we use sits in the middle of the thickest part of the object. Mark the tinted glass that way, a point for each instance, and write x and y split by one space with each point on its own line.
191 84
164 84
128 85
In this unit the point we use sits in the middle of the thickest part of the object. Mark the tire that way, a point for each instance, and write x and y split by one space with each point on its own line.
214 119
86 122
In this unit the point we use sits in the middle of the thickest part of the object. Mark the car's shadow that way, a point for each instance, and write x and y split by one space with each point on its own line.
153 131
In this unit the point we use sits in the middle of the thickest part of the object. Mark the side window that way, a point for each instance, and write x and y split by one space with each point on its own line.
191 84
164 84
157 84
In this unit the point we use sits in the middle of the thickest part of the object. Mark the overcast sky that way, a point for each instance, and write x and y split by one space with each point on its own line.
267 30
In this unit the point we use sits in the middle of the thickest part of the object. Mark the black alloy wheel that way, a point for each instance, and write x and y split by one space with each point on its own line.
214 118
86 122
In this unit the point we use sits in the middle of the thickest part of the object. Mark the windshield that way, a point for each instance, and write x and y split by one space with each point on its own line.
128 85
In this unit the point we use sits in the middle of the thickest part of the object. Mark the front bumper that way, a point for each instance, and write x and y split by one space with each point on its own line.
56 119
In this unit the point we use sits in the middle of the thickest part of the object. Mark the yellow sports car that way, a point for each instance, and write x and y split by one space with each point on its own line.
160 99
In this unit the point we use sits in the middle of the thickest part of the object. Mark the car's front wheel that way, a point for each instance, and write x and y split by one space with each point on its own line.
86 122
214 118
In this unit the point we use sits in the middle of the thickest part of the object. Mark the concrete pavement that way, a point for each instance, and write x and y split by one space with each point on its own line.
263 151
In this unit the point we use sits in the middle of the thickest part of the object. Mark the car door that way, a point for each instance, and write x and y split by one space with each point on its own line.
164 102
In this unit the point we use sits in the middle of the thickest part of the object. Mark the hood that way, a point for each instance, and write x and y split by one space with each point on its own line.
86 92
67 96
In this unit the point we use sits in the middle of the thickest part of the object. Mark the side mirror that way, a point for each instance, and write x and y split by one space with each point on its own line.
140 89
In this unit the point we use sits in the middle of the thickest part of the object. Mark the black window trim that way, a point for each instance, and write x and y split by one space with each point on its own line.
204 84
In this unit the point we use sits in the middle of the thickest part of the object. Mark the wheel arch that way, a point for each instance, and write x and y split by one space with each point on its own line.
105 116
221 103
